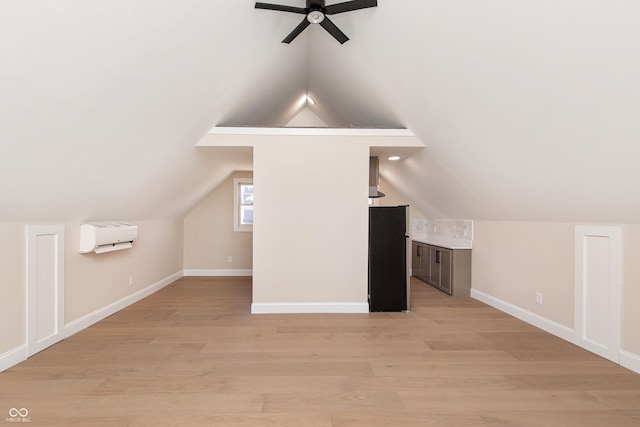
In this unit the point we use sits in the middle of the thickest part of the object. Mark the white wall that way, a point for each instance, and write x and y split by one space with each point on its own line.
631 288
310 230
511 261
393 197
528 108
209 237
12 286
92 282
514 260
306 118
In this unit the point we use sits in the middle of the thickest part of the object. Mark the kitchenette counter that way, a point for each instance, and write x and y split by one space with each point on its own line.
443 242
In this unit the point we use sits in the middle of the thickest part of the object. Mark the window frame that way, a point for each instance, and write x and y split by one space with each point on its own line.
237 182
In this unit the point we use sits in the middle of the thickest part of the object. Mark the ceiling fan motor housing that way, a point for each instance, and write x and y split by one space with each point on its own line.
315 5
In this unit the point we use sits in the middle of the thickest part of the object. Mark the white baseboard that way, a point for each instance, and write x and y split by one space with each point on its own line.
13 357
627 360
89 319
308 308
630 361
536 320
19 354
217 273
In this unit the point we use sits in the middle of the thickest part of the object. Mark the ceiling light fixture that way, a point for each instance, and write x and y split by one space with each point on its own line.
311 100
315 17
394 157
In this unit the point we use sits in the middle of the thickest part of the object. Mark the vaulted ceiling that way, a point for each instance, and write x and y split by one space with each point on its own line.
528 109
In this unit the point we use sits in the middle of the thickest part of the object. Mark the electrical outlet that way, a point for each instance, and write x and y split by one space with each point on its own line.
538 298
229 259
130 280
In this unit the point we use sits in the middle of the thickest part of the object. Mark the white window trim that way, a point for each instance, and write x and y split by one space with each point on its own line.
236 205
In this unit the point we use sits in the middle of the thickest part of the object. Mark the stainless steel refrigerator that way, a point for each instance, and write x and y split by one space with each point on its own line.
389 254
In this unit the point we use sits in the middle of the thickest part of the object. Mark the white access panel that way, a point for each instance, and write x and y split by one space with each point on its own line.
597 296
45 286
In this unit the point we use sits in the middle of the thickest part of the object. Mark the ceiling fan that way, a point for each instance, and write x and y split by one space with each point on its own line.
316 13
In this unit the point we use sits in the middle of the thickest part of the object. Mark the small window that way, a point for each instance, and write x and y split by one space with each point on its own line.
243 204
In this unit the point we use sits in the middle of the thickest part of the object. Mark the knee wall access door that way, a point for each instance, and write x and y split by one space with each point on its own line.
45 286
597 290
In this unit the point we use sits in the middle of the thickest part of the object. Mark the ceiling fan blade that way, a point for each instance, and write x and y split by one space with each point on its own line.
328 25
296 32
281 8
348 6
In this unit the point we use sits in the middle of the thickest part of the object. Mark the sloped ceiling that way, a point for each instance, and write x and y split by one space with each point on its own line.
528 109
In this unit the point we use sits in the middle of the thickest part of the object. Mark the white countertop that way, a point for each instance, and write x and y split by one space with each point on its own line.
445 242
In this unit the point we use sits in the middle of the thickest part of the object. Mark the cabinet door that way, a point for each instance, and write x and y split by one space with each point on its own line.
424 263
415 260
434 266
445 271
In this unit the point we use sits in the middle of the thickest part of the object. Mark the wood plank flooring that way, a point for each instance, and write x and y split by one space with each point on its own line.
192 354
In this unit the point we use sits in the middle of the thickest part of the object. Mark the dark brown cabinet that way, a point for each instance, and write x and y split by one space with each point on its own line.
448 270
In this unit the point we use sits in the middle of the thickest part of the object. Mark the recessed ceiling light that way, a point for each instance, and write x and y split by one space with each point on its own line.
394 157
311 100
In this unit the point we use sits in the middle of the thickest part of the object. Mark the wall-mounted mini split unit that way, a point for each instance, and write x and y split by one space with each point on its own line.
107 236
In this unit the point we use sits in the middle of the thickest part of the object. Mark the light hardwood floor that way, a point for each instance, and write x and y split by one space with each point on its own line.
192 354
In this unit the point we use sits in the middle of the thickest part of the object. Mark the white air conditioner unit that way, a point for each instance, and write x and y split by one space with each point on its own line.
107 236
